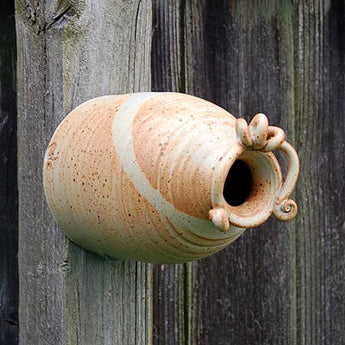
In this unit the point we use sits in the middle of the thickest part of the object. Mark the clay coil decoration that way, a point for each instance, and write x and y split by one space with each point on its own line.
164 177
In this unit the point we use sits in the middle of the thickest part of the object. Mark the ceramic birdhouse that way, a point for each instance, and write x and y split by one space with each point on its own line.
164 177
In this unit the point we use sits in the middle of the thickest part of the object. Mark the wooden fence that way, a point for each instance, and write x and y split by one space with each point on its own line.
282 283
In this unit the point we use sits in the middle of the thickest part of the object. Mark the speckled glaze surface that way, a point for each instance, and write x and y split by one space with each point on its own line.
141 176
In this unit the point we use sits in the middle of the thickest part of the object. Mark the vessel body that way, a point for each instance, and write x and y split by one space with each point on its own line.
141 176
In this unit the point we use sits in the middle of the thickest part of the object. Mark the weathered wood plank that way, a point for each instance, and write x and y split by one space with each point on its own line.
170 304
168 46
231 58
170 301
8 179
320 128
69 52
247 67
282 283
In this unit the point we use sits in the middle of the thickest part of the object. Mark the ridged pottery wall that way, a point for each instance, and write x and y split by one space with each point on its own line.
164 177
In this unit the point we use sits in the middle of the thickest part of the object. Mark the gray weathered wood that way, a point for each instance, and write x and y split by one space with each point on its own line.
170 284
68 52
242 297
218 64
280 283
9 330
319 131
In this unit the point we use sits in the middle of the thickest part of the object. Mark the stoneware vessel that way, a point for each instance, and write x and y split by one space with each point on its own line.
164 177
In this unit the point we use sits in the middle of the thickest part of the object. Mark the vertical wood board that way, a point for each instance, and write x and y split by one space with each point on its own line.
9 329
281 283
69 52
170 283
320 128
247 68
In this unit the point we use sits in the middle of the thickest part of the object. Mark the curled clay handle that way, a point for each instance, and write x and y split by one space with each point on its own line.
285 208
258 135
261 137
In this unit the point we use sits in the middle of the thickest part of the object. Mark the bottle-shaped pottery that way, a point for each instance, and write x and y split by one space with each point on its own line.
164 177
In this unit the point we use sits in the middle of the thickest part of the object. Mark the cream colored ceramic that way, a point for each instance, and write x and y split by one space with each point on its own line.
164 177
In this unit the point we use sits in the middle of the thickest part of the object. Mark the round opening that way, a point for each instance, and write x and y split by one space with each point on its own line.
246 187
238 184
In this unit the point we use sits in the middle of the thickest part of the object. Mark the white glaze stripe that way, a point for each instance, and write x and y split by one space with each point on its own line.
123 144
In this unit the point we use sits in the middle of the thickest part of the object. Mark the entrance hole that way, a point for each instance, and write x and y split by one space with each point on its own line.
238 184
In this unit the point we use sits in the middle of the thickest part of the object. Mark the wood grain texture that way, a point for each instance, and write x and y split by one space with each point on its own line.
171 302
247 68
68 52
320 128
9 330
171 307
283 282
